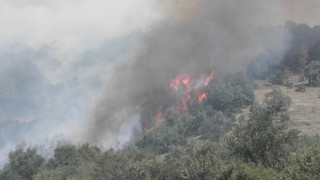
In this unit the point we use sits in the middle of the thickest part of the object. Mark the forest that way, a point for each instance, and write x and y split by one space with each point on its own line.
212 140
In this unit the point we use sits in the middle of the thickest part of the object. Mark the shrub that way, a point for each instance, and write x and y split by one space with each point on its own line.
22 164
231 96
300 88
303 164
262 138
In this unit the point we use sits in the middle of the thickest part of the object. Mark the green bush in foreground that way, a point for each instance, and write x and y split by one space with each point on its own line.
263 139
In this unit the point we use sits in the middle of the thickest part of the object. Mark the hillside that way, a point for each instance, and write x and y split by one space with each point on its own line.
304 110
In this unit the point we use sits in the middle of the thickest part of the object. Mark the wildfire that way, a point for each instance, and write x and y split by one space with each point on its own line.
208 79
204 81
142 103
181 78
202 96
189 84
184 84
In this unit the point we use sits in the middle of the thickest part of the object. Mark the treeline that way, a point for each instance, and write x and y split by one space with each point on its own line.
302 58
210 142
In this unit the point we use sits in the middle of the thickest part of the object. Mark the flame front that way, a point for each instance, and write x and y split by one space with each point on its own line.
202 96
184 85
208 79
142 103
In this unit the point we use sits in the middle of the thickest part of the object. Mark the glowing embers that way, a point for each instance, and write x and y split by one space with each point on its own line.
186 91
142 103
189 85
208 79
202 96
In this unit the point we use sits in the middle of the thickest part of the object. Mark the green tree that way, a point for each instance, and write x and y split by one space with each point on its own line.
314 52
22 164
213 125
277 76
204 160
276 98
253 172
312 72
263 138
303 164
296 62
235 94
147 169
174 131
66 155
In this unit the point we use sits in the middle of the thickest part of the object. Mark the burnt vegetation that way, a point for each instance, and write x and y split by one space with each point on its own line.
209 141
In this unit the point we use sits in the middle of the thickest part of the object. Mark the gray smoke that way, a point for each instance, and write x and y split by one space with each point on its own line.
44 113
58 56
224 36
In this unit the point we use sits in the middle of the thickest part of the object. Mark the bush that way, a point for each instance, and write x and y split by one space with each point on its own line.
161 136
300 88
276 98
205 161
22 164
277 77
296 62
303 164
231 96
312 72
253 172
314 52
262 138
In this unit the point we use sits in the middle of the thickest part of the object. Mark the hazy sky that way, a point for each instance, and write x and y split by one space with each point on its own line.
64 22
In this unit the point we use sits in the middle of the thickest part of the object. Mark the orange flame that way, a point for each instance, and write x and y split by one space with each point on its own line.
204 81
184 84
202 96
142 103
208 79
175 84
181 78
185 106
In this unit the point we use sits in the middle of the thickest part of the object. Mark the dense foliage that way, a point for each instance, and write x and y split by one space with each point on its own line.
209 142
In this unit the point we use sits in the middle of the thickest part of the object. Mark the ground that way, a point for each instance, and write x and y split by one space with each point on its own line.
304 111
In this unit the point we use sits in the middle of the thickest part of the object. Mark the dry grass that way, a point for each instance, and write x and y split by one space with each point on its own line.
305 108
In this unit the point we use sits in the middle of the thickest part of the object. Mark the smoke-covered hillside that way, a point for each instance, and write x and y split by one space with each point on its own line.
150 77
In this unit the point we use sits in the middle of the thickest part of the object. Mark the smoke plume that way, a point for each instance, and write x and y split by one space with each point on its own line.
223 36
68 73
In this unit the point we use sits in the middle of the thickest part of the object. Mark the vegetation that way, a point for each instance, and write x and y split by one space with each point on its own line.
23 164
263 139
301 88
314 52
230 97
312 72
209 142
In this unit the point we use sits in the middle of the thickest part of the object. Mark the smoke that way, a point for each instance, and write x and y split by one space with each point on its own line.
43 100
74 70
55 60
301 11
223 36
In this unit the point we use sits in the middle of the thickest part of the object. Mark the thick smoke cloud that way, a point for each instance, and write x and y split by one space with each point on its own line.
224 36
55 60
72 25
57 57
42 109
